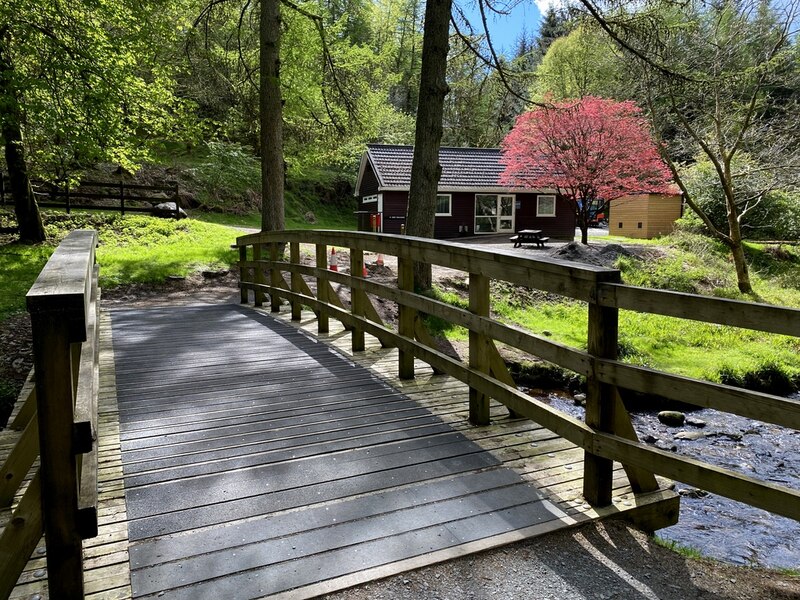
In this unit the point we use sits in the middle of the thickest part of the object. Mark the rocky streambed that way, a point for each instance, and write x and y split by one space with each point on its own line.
716 526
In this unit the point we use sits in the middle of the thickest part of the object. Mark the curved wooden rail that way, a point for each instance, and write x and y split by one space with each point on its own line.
59 419
607 435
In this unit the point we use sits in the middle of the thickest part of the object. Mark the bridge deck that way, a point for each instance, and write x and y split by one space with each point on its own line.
259 461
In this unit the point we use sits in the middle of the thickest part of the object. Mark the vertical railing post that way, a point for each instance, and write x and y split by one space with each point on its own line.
66 191
406 314
243 293
322 288
294 258
58 304
478 355
274 278
258 275
357 298
600 400
55 398
122 198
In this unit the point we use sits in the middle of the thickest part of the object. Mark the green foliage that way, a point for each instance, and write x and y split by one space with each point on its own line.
766 214
229 178
88 79
584 63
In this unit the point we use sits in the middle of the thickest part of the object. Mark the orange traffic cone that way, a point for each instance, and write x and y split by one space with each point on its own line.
364 271
333 263
379 262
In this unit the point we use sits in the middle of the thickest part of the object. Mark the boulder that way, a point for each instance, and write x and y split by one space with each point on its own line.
167 209
672 418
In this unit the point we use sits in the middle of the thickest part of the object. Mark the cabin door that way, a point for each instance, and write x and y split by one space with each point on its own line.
494 213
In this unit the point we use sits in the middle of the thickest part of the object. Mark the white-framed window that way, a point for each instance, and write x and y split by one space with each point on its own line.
444 205
369 199
546 206
494 213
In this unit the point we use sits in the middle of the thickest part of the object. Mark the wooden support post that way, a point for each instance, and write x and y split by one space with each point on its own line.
600 402
322 289
478 355
357 298
274 278
296 279
122 198
258 275
405 320
243 280
54 392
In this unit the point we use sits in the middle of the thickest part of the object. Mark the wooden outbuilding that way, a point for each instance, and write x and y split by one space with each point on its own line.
471 199
644 215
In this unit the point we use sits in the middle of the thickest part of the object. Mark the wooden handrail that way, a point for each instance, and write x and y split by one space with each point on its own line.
61 501
608 434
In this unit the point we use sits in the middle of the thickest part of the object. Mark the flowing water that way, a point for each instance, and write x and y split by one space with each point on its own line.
718 527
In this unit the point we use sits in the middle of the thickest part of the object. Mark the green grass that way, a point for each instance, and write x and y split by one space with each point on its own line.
686 551
695 264
143 249
132 249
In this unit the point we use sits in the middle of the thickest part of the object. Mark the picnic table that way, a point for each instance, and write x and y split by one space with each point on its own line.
529 236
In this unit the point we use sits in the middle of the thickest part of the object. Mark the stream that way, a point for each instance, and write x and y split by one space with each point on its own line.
716 526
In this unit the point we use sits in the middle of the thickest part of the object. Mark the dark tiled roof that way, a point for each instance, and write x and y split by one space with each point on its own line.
461 167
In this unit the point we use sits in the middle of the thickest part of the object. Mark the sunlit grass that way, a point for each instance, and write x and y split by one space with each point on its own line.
132 249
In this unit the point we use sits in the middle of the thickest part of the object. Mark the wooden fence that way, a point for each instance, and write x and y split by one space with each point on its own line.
59 423
607 434
100 195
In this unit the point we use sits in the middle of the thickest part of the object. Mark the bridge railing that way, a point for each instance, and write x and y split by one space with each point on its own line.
58 420
607 434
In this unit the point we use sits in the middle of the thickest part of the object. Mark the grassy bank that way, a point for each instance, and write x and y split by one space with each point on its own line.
132 249
687 263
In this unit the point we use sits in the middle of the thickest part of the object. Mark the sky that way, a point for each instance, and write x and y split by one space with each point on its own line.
505 29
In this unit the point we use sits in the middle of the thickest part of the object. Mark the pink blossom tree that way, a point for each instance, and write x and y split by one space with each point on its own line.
590 151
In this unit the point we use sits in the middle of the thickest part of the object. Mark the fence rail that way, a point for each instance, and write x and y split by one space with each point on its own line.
99 195
607 434
59 423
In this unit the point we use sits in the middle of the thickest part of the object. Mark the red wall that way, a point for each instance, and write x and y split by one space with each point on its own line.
562 226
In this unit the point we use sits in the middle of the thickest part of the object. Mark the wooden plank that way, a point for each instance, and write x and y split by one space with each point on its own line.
406 317
726 398
322 288
20 537
357 298
478 355
562 277
736 313
18 463
28 409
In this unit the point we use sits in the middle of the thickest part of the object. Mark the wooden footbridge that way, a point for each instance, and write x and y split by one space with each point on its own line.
236 451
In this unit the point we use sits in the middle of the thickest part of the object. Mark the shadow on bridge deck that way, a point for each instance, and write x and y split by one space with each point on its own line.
258 460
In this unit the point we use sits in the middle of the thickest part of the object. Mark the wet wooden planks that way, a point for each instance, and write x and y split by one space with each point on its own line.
259 461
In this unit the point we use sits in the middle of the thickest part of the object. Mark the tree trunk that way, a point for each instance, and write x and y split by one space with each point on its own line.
742 272
584 233
29 219
425 169
271 118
